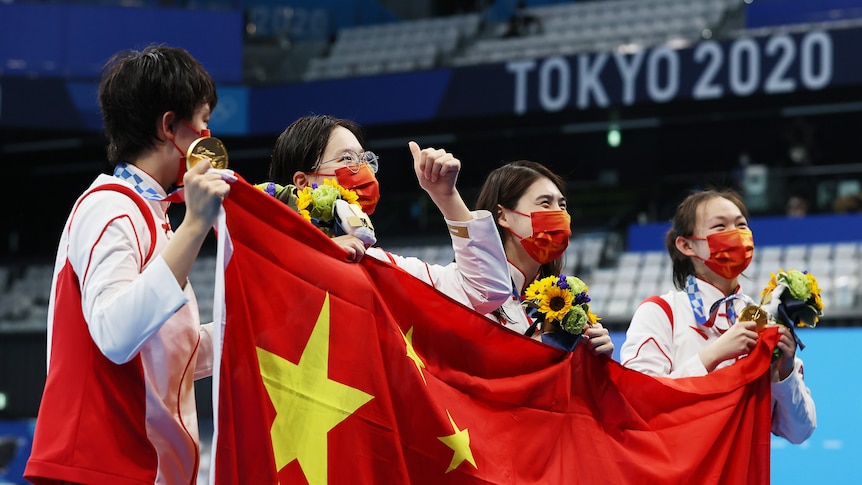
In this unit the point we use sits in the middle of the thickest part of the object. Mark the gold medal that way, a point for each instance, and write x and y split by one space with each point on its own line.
754 313
207 148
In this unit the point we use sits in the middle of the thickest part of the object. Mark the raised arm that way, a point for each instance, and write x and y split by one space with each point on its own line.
437 171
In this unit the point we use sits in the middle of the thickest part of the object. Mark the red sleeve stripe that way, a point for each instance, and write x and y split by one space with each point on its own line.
90 258
651 339
661 302
700 332
145 211
430 279
137 199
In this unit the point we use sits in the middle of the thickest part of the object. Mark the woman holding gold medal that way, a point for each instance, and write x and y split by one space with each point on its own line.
125 340
707 322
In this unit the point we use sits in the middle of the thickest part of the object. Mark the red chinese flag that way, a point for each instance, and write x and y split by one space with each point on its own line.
337 372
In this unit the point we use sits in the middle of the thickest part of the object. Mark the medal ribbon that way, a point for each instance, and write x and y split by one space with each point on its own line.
141 186
708 319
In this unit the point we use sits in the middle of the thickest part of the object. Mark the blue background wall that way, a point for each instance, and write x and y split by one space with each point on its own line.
762 13
768 231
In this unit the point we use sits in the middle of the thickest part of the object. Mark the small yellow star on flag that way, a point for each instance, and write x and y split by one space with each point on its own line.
460 444
307 403
412 355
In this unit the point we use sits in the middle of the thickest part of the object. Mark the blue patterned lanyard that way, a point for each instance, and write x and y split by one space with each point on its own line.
708 319
141 186
696 299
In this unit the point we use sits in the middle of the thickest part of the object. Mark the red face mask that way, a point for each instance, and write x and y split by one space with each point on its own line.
550 238
730 252
183 165
364 183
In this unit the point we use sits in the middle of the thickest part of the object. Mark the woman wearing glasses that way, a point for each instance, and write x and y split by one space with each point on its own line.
315 148
318 147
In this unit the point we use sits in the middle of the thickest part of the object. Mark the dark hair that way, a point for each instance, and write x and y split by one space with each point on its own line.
138 87
506 185
300 145
683 225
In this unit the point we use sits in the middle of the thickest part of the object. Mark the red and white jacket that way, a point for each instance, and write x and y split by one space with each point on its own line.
478 278
125 345
512 314
664 339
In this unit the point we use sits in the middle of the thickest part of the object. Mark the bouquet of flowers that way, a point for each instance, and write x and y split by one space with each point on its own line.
563 308
317 202
792 298
330 207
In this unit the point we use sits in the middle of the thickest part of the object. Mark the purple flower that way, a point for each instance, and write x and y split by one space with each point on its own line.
563 283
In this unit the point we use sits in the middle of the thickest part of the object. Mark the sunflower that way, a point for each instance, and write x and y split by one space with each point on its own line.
815 291
537 288
303 200
348 195
555 303
592 317
561 300
773 283
814 301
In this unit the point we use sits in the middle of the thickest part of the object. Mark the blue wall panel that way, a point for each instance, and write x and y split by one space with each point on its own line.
768 231
765 13
74 41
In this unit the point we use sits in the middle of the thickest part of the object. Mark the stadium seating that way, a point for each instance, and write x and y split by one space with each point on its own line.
568 28
392 47
636 275
616 288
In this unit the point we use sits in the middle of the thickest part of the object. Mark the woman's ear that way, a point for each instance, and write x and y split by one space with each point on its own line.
502 220
300 180
166 124
684 246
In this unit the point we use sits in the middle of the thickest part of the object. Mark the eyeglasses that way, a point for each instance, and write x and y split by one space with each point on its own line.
353 160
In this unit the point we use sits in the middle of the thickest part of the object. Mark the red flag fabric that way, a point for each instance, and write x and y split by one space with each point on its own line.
337 372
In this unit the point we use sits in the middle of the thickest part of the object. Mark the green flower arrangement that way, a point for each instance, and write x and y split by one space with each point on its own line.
798 292
330 207
317 201
791 298
562 302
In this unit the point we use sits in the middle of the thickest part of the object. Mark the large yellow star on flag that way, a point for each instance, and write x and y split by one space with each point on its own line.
307 403
460 444
412 355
